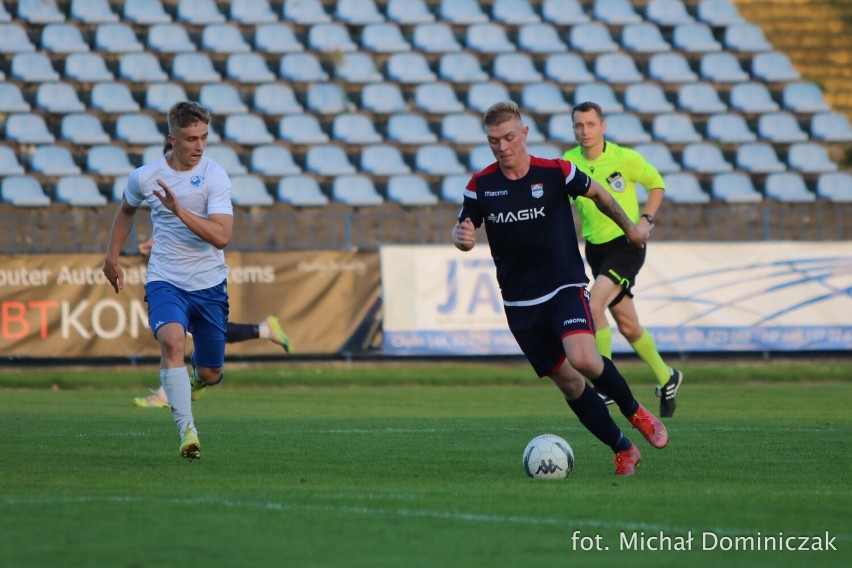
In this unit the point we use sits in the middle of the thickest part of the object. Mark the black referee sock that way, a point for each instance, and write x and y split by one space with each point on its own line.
236 332
612 384
592 412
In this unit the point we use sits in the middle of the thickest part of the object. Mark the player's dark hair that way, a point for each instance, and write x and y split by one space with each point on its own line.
187 113
498 113
587 106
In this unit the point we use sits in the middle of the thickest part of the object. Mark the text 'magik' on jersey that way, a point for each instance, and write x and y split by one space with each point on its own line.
530 227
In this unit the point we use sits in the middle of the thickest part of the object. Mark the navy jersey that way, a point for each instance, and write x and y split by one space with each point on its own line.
530 227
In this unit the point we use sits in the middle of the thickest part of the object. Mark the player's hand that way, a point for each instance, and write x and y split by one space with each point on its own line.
167 198
639 234
114 274
145 247
464 235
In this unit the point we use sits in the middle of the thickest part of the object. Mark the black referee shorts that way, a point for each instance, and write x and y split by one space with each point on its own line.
619 261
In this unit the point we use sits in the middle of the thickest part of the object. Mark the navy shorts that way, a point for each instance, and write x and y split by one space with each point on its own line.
203 313
539 329
619 261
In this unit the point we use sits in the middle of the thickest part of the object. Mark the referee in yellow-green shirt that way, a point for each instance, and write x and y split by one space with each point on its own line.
615 263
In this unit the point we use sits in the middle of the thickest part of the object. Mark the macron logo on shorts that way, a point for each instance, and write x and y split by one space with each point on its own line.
572 321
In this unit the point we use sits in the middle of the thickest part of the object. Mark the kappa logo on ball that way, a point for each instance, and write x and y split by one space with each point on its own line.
196 181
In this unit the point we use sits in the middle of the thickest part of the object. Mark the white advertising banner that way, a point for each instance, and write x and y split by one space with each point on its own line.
692 297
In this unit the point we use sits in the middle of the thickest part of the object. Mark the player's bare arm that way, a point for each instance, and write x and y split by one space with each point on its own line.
464 235
609 206
216 229
121 226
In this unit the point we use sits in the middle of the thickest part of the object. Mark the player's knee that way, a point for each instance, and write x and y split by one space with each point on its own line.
210 376
630 330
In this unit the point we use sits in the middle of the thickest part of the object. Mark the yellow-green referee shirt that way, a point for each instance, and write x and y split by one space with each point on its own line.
617 169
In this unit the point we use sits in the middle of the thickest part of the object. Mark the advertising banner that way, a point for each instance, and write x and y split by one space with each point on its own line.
693 297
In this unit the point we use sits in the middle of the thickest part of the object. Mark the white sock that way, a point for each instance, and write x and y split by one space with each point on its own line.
176 384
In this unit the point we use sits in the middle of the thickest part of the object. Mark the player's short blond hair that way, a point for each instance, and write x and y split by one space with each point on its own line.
498 113
186 113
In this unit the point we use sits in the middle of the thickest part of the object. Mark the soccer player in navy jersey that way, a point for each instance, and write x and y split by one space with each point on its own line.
525 204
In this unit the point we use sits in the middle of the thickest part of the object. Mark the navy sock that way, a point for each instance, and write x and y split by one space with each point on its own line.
592 412
612 384
237 332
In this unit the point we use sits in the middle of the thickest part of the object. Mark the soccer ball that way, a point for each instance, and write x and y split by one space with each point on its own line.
548 457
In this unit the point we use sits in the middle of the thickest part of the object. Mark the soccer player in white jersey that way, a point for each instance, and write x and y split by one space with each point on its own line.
186 289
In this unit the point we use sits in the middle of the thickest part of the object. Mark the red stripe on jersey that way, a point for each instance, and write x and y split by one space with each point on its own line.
471 185
567 167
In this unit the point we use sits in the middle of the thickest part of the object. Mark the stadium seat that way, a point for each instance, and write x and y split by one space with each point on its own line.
718 13
540 38
383 98
452 187
141 68
87 68
226 157
358 12
355 191
695 38
409 12
58 98
591 38
407 128
301 129
252 12
480 96
514 12
199 12
32 68
410 68
160 97
835 187
23 191
752 97
276 39
438 98
462 12
305 12
276 99
787 187
9 164
543 98
437 159
684 188
810 158
92 11
146 12
223 38
302 68
461 68
615 12
700 98
194 68
626 128
659 156
4 15
462 128
515 68
353 128
410 190
152 153
79 191
729 128
435 37
327 98
675 128
250 191
117 38
734 187
567 68
330 38
119 184
14 39
83 129
488 38
773 67
617 68
328 160
63 39
250 68
12 99
108 160
170 38
644 38
274 161
646 98
301 191
758 158
357 68
826 126
138 130
547 151
481 157
534 135
560 128
27 128
705 158
804 98
600 93
722 68
384 37
113 98
221 99
564 12
248 129
668 13
780 128
383 160
39 12
670 68
745 38
50 160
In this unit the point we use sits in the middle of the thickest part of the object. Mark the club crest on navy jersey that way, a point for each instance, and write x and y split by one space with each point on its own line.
537 190
616 182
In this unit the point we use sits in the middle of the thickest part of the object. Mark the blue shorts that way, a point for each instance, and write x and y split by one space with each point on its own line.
204 313
539 329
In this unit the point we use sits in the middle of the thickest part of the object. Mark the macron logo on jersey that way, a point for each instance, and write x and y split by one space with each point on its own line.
512 216
501 193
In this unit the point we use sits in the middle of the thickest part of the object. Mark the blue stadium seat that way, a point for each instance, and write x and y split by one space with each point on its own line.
27 128
435 37
480 96
462 128
355 191
32 68
247 129
718 13
787 187
328 160
221 99
357 68
615 12
780 128
695 38
644 37
146 12
826 126
684 188
113 98
305 12
617 68
170 38
540 39
199 12
745 37
752 97
438 160
330 38
810 158
226 157
564 12
302 68
735 187
245 68
301 191
729 128
481 156
675 128
758 158
63 39
14 39
835 187
87 68
660 156
600 93
92 12
626 128
514 12
194 68
410 68
804 98
252 12
773 67
438 98
461 68
277 39
646 98
410 190
591 38
51 160
58 98
301 129
383 160
83 129
383 98
79 191
12 99
141 68
462 12
160 97
409 128
560 127
705 158
353 128
276 99
327 98
700 98
668 13
250 191
488 38
108 160
543 98
39 12
567 68
138 129
670 68
23 191
722 67
274 161
358 12
409 12
223 38
515 68
384 37
452 187
9 164
117 38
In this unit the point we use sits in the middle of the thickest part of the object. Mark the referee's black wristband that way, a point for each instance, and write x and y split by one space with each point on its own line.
650 218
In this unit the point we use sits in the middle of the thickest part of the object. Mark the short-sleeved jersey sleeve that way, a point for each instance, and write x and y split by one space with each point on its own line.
642 171
470 205
219 196
576 181
133 190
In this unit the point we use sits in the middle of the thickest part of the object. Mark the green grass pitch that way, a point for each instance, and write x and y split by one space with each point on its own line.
394 465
